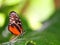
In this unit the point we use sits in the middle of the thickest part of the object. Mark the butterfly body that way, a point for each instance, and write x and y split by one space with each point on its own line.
15 25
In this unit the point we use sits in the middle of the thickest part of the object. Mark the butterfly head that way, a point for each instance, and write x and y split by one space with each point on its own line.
13 14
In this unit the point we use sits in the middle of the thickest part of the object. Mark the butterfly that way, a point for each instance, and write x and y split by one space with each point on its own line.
15 25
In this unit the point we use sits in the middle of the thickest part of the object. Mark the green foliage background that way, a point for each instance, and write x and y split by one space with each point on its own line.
49 36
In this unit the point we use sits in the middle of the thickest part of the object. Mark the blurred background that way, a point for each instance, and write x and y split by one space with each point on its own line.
40 21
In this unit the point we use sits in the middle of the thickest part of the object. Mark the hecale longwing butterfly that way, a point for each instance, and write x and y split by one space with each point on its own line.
15 26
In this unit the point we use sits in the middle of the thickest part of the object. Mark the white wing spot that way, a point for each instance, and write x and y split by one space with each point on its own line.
13 21
20 23
12 18
16 18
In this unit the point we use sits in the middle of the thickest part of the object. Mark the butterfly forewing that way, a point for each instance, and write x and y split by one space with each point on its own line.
15 25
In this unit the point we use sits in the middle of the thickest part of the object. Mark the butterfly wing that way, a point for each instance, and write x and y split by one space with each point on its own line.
15 25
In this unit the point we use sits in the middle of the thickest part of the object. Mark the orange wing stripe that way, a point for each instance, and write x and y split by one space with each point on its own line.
14 30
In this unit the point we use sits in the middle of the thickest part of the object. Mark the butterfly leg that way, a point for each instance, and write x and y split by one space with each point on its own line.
14 38
22 34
